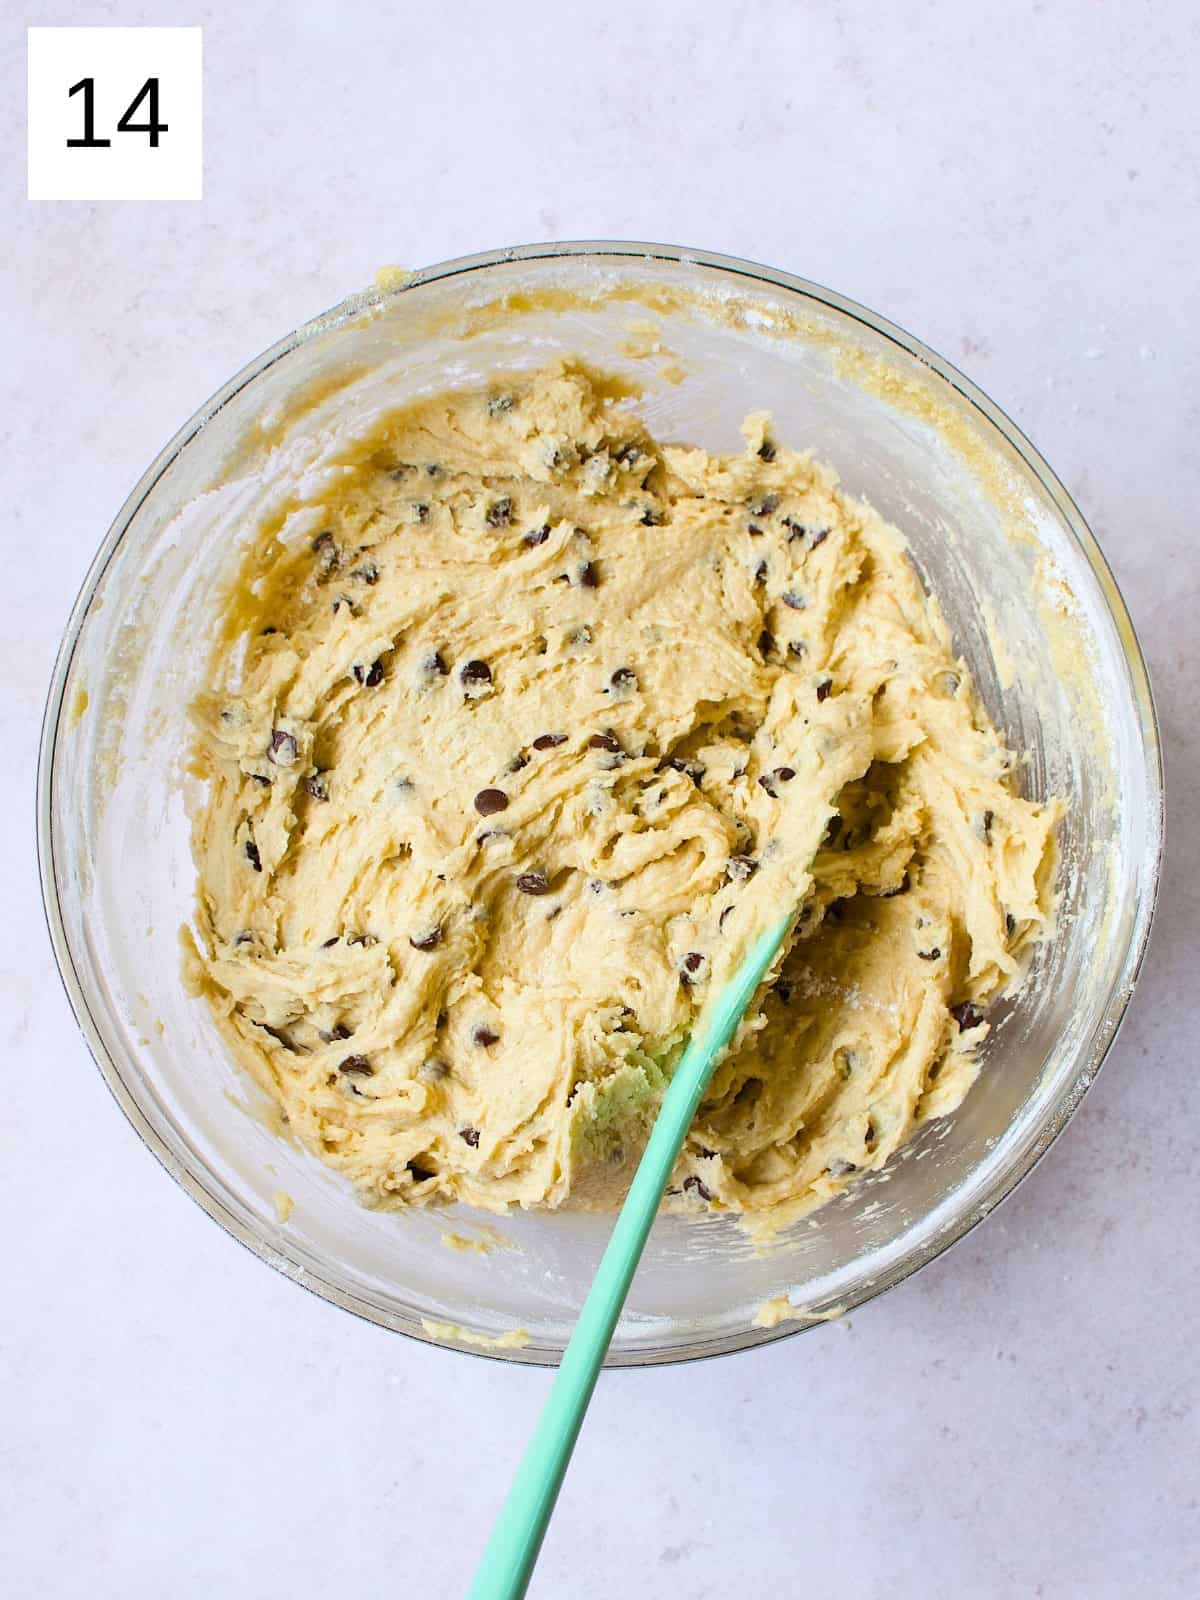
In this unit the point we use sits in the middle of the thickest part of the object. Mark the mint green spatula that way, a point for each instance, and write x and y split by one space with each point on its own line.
508 1561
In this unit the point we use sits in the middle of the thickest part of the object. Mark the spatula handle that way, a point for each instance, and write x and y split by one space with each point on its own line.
508 1561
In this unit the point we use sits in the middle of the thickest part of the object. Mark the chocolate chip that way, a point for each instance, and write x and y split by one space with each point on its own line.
356 1067
484 1036
548 741
329 943
606 741
624 678
316 786
475 672
766 643
818 538
470 1136
420 1174
760 572
795 601
690 966
580 635
1010 923
252 855
701 1188
840 1168
281 1036
770 781
869 1133
489 801
245 937
323 541
367 573
589 578
421 507
724 915
967 1016
533 883
518 762
796 648
824 688
767 506
500 403
691 769
739 868
754 530
398 473
366 940
499 513
988 818
260 778
435 664
536 536
344 603
433 470
766 451
370 677
283 750
930 955
651 518
427 941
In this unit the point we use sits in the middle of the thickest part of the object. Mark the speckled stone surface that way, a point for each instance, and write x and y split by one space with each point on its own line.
1019 185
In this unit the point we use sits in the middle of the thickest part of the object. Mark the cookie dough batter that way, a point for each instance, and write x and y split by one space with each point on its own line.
518 731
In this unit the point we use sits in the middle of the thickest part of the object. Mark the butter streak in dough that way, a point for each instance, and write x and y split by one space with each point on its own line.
516 734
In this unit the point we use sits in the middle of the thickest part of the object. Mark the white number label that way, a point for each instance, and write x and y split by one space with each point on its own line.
115 114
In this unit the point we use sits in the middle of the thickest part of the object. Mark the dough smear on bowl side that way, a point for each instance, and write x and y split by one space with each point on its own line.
512 741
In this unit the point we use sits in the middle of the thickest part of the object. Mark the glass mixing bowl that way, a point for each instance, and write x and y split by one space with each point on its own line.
1032 606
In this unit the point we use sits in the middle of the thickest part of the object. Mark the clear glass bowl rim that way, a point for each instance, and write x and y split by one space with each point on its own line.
1090 1057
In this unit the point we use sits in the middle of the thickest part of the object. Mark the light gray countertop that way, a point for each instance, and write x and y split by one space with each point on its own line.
1020 186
